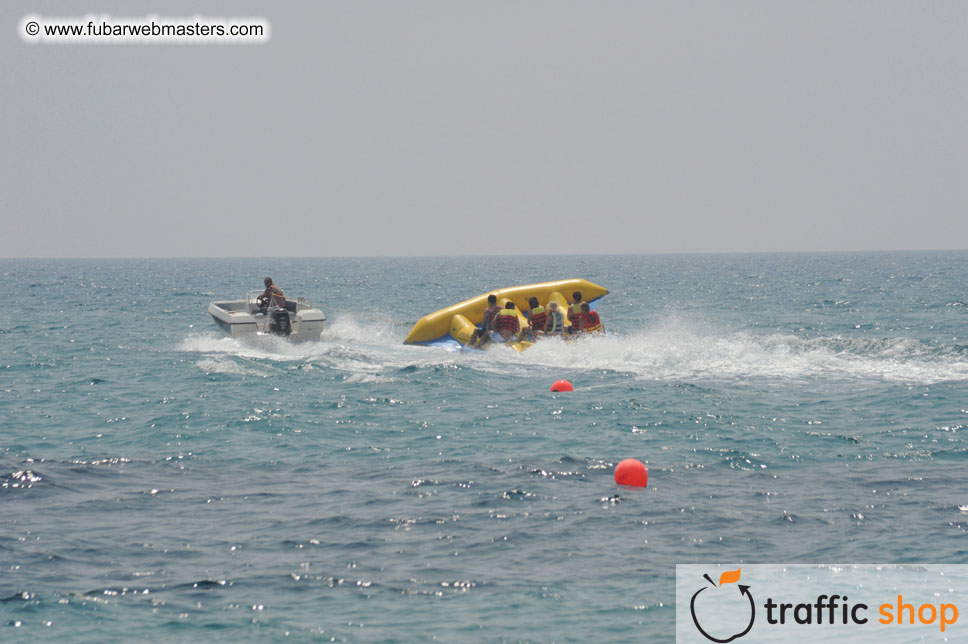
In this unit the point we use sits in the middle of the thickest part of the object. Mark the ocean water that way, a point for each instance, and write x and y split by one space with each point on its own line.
160 482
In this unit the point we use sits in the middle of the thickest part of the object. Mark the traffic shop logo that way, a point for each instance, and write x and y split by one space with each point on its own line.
707 604
726 611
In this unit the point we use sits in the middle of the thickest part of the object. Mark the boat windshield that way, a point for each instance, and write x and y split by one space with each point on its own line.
251 298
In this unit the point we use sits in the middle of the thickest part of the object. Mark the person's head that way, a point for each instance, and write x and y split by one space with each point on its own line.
553 306
577 296
509 306
492 299
585 308
268 282
533 302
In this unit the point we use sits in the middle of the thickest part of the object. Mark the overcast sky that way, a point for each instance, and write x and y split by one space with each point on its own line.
454 127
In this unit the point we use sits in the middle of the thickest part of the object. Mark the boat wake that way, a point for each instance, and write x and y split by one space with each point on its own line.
676 353
374 352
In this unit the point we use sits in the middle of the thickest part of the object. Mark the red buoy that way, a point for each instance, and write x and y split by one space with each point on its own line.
562 385
631 472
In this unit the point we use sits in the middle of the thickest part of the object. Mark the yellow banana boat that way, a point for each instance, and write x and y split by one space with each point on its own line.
453 326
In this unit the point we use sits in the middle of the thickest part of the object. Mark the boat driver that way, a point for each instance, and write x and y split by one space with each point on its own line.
272 296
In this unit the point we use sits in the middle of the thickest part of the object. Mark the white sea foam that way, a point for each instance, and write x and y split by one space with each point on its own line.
368 378
227 365
263 347
365 351
372 351
673 352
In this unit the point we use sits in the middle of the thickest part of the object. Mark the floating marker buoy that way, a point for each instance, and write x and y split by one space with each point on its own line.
631 472
562 385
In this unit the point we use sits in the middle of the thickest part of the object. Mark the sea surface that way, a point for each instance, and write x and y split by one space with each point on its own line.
162 483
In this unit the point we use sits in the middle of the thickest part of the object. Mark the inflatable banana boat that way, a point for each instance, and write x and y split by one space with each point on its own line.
451 328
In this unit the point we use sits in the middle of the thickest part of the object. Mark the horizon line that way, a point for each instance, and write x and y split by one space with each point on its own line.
486 255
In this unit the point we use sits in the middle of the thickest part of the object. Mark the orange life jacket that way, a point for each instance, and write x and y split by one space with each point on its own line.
593 323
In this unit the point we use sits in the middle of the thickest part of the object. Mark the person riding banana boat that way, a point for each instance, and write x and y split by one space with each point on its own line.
505 327
574 311
588 320
555 323
482 332
506 324
537 318
517 316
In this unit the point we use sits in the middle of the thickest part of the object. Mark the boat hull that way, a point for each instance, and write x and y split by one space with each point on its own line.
240 319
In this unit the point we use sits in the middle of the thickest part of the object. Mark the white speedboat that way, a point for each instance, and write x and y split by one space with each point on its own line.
298 320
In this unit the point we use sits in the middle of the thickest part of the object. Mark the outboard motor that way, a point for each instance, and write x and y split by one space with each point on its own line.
279 323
